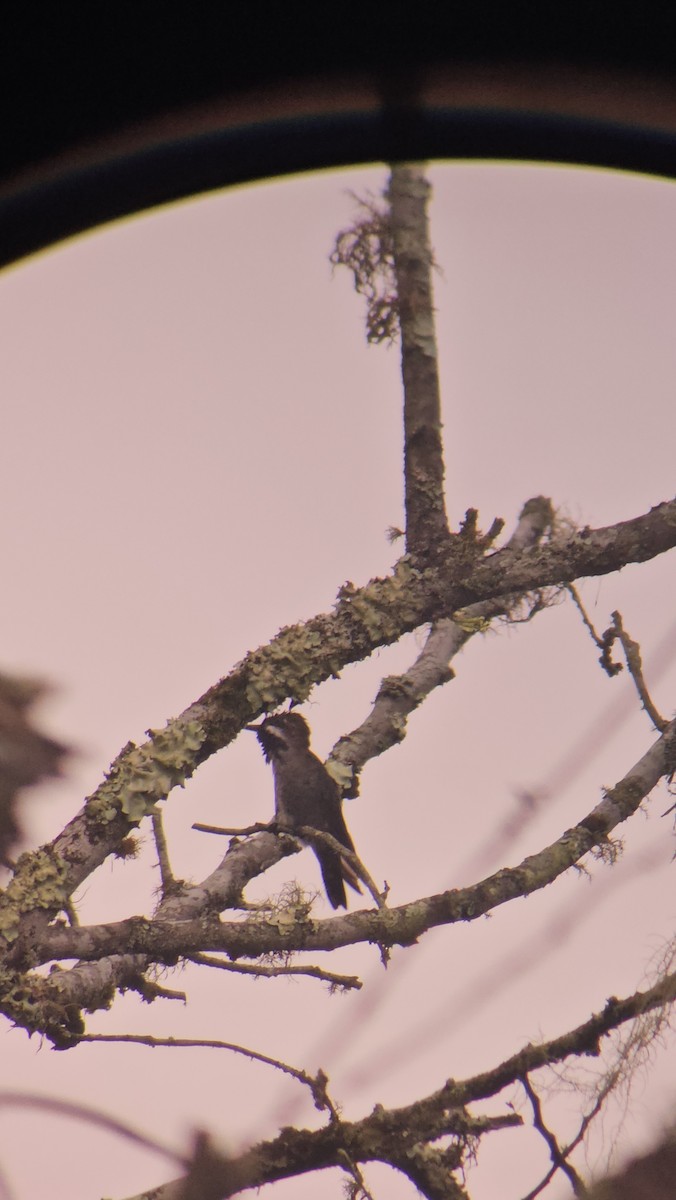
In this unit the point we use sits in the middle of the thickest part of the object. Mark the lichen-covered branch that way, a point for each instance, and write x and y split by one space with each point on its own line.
198 929
299 657
296 659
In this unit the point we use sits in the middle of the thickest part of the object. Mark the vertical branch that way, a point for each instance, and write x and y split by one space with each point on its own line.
168 881
426 522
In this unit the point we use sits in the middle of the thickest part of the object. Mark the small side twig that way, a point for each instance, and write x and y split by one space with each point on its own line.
572 1145
316 1084
632 653
337 981
166 873
226 831
150 989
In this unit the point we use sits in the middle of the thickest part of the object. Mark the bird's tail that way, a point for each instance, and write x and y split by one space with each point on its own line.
336 872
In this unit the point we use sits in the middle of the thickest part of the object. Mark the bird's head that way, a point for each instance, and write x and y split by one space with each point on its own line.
277 735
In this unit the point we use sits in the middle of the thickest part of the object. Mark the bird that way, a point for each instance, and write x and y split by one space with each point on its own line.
305 794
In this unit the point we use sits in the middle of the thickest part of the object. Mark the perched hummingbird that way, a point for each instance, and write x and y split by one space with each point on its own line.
305 794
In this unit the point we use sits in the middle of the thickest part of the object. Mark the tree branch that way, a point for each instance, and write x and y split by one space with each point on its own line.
400 695
316 1084
337 982
426 522
300 657
395 1136
583 1040
400 1136
164 941
166 873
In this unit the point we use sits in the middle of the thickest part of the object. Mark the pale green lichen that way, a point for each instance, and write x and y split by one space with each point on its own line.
39 883
142 775
470 624
301 656
285 667
33 1004
9 921
383 604
285 912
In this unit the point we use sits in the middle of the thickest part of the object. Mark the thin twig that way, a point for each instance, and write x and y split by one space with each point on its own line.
556 1154
342 981
226 831
568 1149
316 1084
575 595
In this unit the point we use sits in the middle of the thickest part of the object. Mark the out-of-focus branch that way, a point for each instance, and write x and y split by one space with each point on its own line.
650 1177
88 1115
27 755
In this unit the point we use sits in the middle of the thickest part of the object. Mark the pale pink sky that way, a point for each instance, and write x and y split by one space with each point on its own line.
198 448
